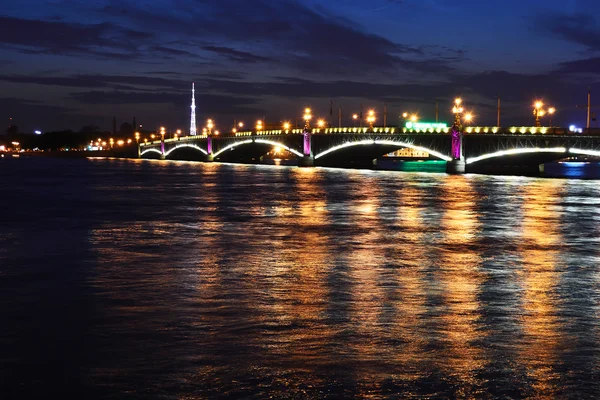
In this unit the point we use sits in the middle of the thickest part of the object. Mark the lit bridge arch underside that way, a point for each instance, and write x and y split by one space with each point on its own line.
267 142
551 152
157 151
379 147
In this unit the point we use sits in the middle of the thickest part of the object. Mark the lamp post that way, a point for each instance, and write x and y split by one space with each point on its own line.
210 125
457 110
286 126
354 118
307 117
371 118
321 123
259 125
551 112
539 112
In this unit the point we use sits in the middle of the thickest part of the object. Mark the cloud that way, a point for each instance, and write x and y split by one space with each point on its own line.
104 39
579 28
211 103
96 81
286 32
235 55
585 66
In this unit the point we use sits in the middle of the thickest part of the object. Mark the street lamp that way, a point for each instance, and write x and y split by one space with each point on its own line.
240 125
286 126
177 133
137 137
457 110
259 125
320 123
468 118
354 118
538 112
210 125
307 117
551 112
162 133
414 118
371 118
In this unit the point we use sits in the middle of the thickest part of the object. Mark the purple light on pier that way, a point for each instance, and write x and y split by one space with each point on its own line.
209 145
162 147
456 153
306 143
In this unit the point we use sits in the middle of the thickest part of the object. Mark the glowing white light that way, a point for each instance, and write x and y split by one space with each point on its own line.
37 132
516 151
344 145
231 146
594 153
151 150
185 145
384 142
279 145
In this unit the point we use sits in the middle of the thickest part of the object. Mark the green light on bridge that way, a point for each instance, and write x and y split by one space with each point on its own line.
425 125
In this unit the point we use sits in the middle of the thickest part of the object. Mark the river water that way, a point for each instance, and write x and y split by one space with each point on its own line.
163 279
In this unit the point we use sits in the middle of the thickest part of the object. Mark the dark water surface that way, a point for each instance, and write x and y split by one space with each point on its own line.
150 279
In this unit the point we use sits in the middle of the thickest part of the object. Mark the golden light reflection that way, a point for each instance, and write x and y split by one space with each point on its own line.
296 280
541 240
365 258
461 281
411 254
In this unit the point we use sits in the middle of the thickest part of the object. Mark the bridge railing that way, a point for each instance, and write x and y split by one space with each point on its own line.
469 130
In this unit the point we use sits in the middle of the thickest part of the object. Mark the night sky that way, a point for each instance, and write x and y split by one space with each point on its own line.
69 63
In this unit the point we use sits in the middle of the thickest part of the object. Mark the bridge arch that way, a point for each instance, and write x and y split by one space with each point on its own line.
384 143
180 146
150 151
512 152
263 141
593 153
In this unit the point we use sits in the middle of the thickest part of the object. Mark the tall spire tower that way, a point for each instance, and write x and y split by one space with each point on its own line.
193 116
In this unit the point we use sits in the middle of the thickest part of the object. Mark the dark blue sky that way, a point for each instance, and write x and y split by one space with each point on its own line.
67 63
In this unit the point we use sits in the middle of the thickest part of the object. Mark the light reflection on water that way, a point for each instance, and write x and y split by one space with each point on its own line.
175 279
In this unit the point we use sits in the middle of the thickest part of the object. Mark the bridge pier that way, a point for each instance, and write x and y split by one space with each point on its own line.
306 161
456 167
163 157
210 158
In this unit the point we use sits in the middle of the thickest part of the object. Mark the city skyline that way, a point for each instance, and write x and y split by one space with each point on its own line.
73 63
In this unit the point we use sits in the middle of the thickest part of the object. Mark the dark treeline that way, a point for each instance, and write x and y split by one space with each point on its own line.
62 140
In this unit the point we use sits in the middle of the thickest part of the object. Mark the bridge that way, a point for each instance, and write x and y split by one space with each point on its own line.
470 149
